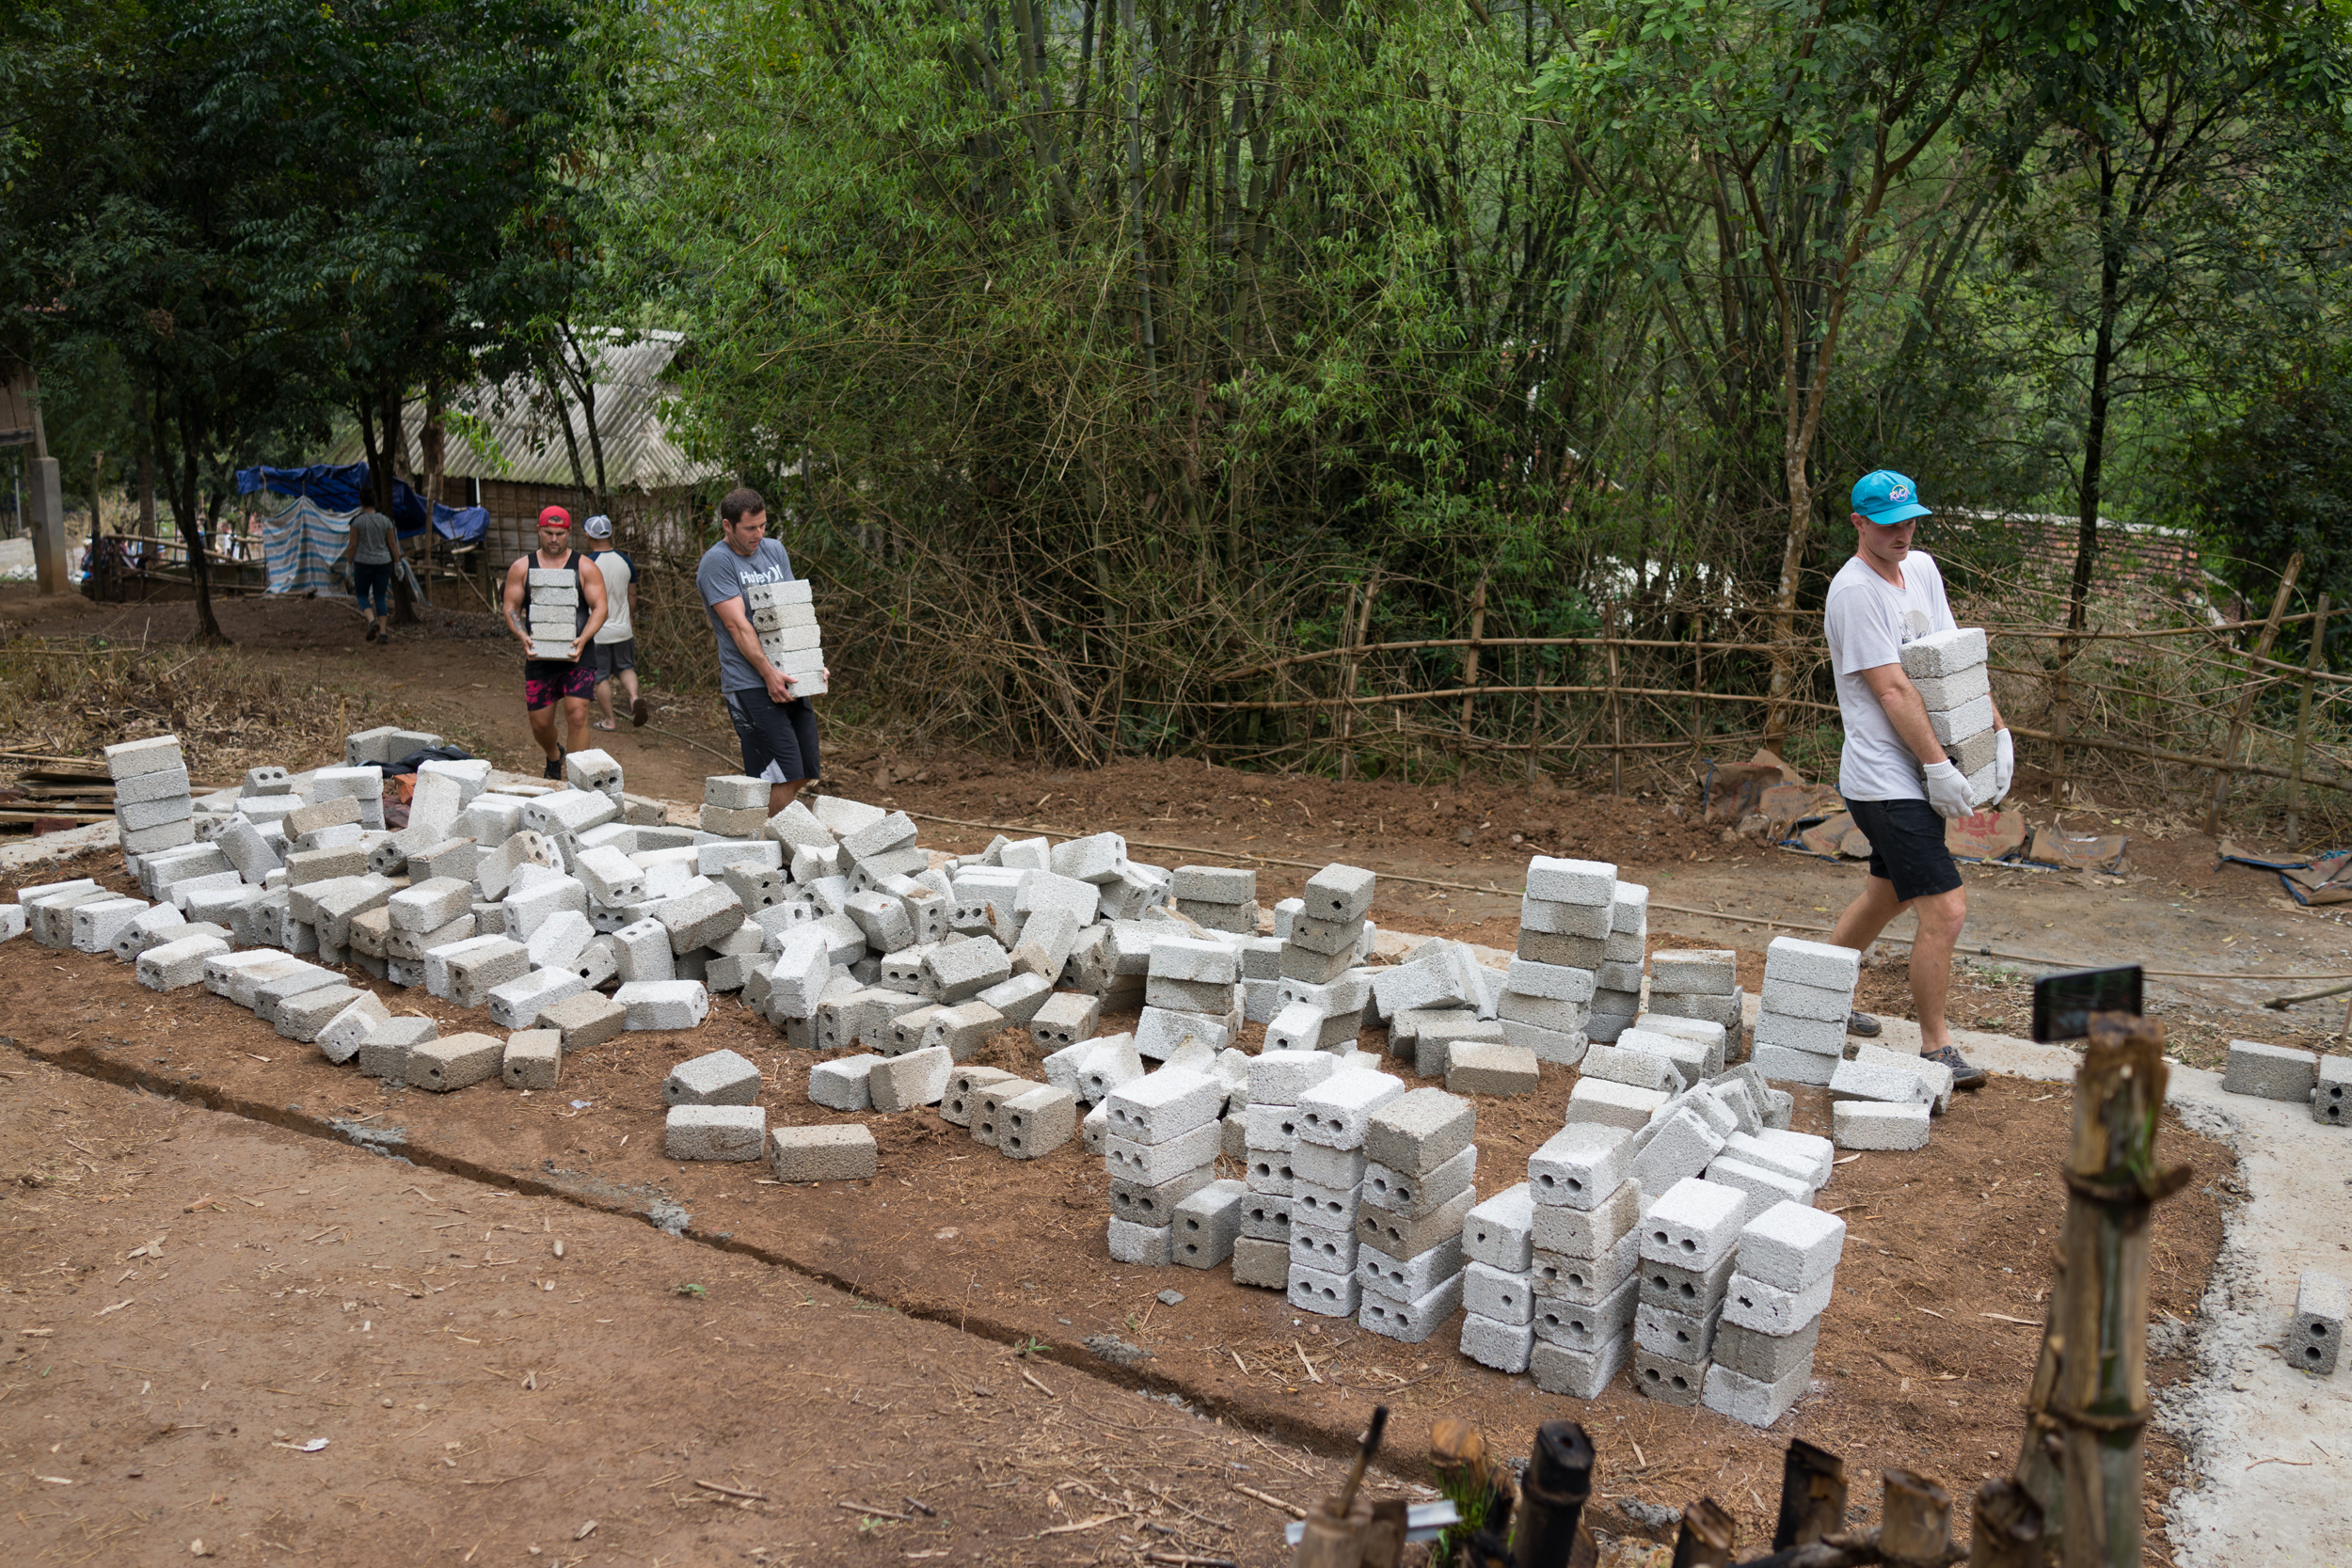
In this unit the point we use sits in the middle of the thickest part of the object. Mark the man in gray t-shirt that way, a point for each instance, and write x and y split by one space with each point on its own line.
372 546
777 729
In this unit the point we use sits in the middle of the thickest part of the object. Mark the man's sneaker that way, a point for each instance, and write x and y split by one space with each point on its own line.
554 769
1966 1073
1864 1024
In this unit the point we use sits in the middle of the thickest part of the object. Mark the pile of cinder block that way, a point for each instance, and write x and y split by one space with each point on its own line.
1160 1147
1438 1002
2298 1077
1218 898
1617 984
1884 1100
1582 1258
1785 1274
1418 1186
1498 1285
1688 1235
1328 1163
1807 996
785 616
1701 984
1949 669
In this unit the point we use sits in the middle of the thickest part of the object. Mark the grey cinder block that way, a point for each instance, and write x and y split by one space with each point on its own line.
1410 1322
1751 1400
844 1084
1498 1232
1034 1124
1694 1223
1505 1347
986 1106
1584 1281
837 1152
2332 1096
715 1133
1769 1309
386 1051
1864 1124
1149 1245
1571 881
718 1078
1337 1112
1403 1238
1592 1232
1262 1263
1941 654
1812 963
348 1029
1579 1165
455 1062
1207 1223
1578 1373
1667 1379
1765 1357
1324 1293
306 1016
909 1082
1490 1292
663 1004
1620 1105
1584 1325
2318 1326
1407 1278
533 1059
2271 1071
963 1085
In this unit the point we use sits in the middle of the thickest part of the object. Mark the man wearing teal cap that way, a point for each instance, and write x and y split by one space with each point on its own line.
1895 779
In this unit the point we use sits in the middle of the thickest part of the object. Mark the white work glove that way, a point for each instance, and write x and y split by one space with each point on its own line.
2004 764
1948 790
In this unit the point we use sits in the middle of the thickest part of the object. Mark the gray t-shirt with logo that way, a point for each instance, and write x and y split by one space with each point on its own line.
722 576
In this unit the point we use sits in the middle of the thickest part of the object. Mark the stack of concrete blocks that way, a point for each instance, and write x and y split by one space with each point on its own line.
1498 1280
1701 984
1617 984
1690 1236
1420 1168
1809 994
1192 992
1947 669
785 617
1786 1271
713 1108
1883 1100
1438 999
1218 898
1321 992
1328 1167
153 807
1585 1207
1160 1147
1262 1251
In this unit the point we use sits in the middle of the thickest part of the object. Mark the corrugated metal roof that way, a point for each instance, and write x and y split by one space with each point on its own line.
513 430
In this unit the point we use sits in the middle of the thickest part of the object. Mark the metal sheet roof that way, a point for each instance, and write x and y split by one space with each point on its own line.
513 430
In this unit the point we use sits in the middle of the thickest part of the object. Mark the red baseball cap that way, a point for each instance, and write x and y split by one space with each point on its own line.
555 516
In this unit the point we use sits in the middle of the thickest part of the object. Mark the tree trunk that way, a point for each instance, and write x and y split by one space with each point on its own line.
395 458
2087 494
181 487
147 467
1139 65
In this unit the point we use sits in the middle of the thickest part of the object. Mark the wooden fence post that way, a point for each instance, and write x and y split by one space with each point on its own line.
2246 697
1469 661
1617 710
2303 720
1354 665
1346 687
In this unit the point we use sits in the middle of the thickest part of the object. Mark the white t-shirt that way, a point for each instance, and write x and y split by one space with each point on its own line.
1868 619
618 575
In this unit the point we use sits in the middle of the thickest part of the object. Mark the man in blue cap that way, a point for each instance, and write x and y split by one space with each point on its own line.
1895 779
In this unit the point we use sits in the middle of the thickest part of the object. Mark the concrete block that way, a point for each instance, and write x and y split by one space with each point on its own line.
1764 1185
1500 1295
1207 997
1595 1100
1410 1322
1792 999
1693 1223
272 993
150 927
1692 1292
1150 1246
1571 881
1790 1246
1339 893
2317 1329
1269 1171
385 1053
536 900
1407 1278
718 1078
1971 719
956 1107
2270 1072
1567 1018
1695 970
1337 1112
1590 921
641 951
343 1035
1154 1164
1881 1084
985 1111
1678 1147
961 971
1562 1047
146 841
1580 1165
963 1028
1944 693
303 1017
2331 1097
1505 1347
1595 1233
843 1083
698 919
1033 1125
1438 1034
1019 999
1812 963
663 1004
1667 1379
170 784
1498 1232
1576 1373
910 1082
559 941
1338 1173
1752 1400
1215 884
1207 1223
1325 1295
1236 919
1280 1078
455 1062
1584 1325
97 923
1161 1032
1862 1124
714 1132
1262 1264
837 1152
1783 1065
1111 1062
1338 937
1413 1194
533 1059
156 753
1139 1204
1415 1133
1267 1215
1941 654
517 1004
1164 1105
1632 1067
1765 1357
1403 1237
1769 1309
1620 974
1585 1281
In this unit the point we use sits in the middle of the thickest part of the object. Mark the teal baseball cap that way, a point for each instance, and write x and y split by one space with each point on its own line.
1887 496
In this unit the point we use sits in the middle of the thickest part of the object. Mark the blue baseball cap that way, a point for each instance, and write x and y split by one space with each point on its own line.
1887 496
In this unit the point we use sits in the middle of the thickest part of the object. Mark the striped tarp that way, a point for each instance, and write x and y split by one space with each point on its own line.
300 547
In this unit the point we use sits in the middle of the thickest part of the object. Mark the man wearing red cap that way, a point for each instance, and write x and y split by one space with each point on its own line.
553 607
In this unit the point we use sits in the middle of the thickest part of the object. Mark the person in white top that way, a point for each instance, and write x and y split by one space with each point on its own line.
613 653
1895 779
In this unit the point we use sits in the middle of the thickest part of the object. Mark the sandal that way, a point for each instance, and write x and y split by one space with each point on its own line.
606 724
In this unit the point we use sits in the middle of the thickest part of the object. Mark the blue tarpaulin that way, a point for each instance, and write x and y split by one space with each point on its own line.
338 490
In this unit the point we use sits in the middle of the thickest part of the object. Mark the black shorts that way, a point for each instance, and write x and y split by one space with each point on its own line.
783 734
549 681
1907 847
610 659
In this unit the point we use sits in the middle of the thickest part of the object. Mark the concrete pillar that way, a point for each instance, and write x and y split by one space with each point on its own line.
44 517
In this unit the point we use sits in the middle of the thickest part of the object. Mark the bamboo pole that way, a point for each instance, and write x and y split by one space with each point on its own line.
2303 723
2245 699
2008 1532
1280 704
1469 654
1616 714
2088 1409
1355 669
1346 683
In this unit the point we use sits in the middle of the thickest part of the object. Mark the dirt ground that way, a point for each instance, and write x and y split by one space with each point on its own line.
1920 1363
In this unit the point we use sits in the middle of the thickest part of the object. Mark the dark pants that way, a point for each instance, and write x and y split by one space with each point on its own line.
783 733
